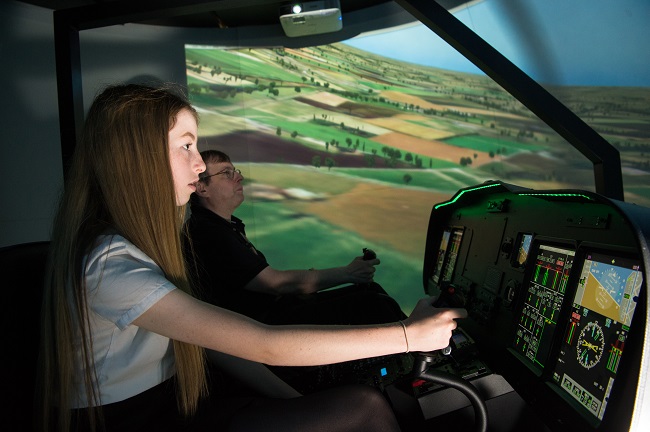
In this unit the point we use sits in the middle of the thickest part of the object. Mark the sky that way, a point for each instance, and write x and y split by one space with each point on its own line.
565 42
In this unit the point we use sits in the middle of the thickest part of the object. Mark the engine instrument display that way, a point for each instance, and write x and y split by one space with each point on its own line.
545 286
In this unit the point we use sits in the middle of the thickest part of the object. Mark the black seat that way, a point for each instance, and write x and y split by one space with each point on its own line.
22 271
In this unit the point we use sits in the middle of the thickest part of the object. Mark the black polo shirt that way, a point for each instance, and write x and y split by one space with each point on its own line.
223 262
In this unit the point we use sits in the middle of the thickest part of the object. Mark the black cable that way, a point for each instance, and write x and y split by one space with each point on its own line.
450 380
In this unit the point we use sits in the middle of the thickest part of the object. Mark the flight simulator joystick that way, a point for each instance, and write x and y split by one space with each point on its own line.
369 254
450 296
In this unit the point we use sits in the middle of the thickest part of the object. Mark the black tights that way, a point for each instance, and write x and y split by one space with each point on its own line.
354 408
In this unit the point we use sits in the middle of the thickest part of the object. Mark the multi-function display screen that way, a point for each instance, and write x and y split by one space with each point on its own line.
447 255
543 293
440 258
604 303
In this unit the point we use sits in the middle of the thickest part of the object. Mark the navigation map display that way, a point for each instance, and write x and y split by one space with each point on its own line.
594 341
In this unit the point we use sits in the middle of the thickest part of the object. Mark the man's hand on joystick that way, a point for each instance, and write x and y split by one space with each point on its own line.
369 254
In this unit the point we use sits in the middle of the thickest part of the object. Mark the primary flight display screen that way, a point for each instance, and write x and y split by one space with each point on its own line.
604 303
545 286
524 241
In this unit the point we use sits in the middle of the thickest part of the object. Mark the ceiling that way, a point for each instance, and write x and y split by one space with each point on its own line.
233 14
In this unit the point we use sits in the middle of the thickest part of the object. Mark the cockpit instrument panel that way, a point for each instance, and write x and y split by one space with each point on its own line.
555 284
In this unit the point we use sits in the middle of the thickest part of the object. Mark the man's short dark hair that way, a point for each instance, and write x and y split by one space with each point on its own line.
211 156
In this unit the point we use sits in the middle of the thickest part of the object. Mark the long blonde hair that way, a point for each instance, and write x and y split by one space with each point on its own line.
119 179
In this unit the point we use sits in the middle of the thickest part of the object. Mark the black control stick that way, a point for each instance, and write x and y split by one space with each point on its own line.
369 254
450 296
422 371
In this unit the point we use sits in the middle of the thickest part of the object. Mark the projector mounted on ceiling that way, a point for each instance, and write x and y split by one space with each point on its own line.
311 17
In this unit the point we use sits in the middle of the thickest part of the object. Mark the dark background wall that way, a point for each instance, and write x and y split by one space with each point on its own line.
31 173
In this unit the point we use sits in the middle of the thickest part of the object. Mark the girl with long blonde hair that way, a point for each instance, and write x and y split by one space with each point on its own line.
123 338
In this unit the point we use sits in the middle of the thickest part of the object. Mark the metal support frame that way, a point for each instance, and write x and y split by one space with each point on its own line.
68 79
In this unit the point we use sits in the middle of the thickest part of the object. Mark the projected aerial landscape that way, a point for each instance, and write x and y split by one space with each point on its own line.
344 149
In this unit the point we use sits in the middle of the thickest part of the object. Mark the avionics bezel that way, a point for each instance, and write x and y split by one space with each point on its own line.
550 340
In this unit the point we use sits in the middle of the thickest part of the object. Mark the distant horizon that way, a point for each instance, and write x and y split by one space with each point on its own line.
576 53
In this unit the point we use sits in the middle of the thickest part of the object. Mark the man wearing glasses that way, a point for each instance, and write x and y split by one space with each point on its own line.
230 272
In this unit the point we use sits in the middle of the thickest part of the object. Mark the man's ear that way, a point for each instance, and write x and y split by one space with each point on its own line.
200 188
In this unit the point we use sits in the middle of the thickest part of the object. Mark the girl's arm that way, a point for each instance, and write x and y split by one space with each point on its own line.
182 317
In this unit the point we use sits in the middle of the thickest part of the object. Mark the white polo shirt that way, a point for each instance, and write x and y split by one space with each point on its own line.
122 283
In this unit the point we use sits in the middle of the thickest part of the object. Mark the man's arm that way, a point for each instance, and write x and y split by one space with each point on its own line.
281 282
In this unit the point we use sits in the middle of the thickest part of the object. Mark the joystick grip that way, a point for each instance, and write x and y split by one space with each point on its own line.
450 296
369 254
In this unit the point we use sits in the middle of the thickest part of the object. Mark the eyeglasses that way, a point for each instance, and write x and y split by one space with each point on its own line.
228 172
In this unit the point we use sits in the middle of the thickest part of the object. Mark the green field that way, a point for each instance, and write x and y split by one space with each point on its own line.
490 144
308 242
236 63
444 180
